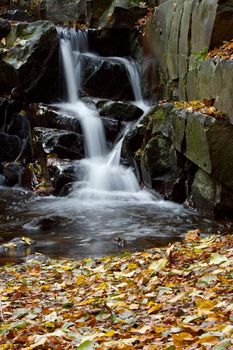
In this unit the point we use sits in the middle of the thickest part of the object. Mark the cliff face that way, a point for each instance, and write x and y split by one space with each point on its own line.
178 36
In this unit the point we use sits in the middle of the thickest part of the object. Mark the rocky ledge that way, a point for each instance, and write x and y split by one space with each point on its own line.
182 154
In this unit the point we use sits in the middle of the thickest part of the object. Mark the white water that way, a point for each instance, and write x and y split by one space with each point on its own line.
104 177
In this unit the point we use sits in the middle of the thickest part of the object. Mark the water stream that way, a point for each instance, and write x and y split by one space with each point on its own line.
106 202
104 177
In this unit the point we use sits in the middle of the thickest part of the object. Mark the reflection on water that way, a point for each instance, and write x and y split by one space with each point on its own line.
93 226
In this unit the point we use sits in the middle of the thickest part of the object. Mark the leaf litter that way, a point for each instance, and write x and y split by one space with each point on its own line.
179 297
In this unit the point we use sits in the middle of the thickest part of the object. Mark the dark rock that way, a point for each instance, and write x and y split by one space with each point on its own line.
112 128
10 147
62 172
5 28
13 173
121 111
47 117
110 42
106 79
222 29
7 109
30 61
17 15
65 144
19 246
48 223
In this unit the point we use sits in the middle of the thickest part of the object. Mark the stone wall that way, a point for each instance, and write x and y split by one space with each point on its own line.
178 36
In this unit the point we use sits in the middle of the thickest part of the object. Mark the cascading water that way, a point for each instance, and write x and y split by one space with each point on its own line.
104 177
119 207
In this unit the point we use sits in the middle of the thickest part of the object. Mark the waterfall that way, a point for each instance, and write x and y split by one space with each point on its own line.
103 176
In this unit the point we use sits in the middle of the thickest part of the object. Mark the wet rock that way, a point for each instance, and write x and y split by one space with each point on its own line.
62 173
47 117
48 223
5 28
121 111
13 173
30 61
19 246
112 128
65 144
106 79
16 173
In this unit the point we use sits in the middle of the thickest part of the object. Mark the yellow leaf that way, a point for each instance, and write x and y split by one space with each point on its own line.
132 266
182 338
86 302
80 280
67 268
154 308
205 304
208 339
109 334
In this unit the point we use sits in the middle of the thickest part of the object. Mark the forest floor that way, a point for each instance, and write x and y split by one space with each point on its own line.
179 297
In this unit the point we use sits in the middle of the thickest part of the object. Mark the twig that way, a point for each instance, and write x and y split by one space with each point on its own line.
1 311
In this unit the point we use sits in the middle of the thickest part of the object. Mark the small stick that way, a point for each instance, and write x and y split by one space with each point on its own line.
1 311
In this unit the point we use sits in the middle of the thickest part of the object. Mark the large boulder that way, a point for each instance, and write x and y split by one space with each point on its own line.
106 79
65 144
29 62
121 111
51 117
